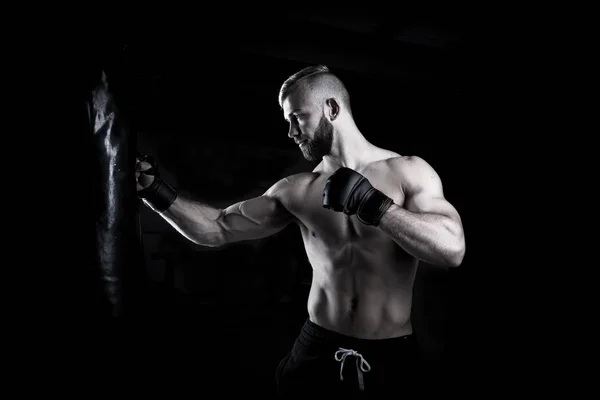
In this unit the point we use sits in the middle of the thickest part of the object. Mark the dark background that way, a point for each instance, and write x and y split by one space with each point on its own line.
202 99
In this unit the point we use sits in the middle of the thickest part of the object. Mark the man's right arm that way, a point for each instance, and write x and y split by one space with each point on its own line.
255 218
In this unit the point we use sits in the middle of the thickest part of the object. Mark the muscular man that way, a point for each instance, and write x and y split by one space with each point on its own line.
367 216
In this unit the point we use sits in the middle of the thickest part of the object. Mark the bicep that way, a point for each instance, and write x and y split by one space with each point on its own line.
424 191
254 218
423 202
262 211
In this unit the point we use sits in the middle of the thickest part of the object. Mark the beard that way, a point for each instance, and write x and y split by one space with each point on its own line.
320 144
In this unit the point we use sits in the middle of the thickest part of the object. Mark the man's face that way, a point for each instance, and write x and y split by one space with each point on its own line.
309 127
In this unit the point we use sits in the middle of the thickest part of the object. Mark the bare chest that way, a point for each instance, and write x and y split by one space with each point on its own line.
336 229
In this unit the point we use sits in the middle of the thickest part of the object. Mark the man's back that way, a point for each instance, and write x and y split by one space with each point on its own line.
362 280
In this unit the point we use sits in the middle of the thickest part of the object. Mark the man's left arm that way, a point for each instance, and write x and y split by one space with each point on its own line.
428 227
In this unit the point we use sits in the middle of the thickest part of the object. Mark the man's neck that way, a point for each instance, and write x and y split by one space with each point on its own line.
350 151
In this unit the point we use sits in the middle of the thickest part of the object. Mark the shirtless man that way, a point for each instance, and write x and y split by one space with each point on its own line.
367 216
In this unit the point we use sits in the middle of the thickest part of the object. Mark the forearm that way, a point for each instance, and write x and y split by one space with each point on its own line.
432 238
196 221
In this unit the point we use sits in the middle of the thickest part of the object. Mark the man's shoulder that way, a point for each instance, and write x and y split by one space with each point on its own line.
406 168
294 182
413 171
406 163
302 179
391 159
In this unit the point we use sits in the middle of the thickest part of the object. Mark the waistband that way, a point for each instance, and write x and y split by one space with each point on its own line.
312 333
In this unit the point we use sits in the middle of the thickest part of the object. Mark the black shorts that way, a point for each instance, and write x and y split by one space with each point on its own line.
322 361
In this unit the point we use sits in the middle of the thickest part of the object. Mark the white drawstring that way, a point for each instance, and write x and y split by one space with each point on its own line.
361 364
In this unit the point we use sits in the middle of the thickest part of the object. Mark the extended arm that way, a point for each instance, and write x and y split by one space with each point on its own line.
428 226
250 219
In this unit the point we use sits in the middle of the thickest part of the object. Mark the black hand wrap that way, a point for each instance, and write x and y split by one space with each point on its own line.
159 195
372 207
351 193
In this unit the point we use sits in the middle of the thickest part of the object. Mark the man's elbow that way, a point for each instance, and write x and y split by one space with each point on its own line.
213 239
455 256
206 243
219 235
455 260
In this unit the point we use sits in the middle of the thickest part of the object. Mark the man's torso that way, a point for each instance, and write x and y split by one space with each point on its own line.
362 280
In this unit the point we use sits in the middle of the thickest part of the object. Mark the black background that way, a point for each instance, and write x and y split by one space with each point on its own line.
202 98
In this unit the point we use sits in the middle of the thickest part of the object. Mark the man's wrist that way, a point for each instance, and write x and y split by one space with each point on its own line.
159 195
373 208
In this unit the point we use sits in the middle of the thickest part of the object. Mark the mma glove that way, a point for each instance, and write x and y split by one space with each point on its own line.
350 192
159 195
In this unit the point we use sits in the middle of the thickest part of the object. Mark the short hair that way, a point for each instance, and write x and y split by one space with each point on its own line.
319 80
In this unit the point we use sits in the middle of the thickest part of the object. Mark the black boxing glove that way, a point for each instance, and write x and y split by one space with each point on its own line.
159 195
349 192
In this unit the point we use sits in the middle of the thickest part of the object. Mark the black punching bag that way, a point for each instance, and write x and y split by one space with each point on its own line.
118 252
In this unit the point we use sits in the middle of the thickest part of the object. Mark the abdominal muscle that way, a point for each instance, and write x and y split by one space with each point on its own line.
366 298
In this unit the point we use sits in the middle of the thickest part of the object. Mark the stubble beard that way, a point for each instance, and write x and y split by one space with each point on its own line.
320 144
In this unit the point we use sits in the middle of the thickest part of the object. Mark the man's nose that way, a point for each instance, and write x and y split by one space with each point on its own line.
292 132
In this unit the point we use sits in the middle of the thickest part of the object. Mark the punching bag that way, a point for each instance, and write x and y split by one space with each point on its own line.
118 246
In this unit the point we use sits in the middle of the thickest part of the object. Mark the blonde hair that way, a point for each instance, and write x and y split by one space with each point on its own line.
319 81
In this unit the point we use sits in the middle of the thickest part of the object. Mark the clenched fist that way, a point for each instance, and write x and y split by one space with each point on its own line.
349 192
158 194
145 171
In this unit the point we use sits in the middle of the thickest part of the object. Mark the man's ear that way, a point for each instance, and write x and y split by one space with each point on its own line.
332 109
